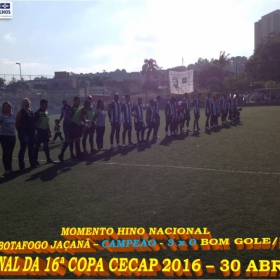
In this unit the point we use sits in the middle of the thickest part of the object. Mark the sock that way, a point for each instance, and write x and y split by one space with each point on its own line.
64 147
47 153
71 146
78 149
36 151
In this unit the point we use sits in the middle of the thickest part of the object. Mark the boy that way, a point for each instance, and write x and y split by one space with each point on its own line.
57 132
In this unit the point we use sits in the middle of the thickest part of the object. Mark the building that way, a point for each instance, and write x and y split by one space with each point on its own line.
267 25
62 80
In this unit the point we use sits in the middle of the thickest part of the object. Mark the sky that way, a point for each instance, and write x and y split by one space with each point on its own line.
93 36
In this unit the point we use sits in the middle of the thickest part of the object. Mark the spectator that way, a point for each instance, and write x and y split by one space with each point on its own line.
7 136
25 125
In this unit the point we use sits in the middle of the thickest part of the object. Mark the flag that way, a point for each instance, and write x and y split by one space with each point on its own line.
181 82
5 6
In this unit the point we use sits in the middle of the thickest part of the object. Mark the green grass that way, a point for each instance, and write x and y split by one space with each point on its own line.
190 181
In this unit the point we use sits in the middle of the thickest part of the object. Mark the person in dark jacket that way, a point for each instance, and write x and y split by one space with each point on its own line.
25 126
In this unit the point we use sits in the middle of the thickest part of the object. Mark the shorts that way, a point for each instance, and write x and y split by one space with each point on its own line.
157 123
115 125
74 131
127 126
42 136
151 125
139 126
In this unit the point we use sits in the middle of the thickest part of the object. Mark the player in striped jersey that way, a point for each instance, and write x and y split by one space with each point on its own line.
186 112
236 109
224 108
208 111
231 107
126 120
180 115
213 108
196 111
170 116
114 114
137 113
157 124
218 112
150 119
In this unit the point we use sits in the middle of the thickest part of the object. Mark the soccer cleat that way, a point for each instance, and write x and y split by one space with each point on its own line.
49 160
52 141
60 157
130 143
37 163
119 145
85 152
123 145
112 147
93 151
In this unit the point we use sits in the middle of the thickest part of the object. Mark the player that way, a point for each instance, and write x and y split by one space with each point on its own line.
78 117
157 124
65 115
208 111
150 118
137 113
126 120
213 110
170 116
114 114
196 111
224 108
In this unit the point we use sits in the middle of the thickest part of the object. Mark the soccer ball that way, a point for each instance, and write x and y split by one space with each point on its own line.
88 124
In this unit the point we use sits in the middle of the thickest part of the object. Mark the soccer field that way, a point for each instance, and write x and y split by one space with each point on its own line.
227 180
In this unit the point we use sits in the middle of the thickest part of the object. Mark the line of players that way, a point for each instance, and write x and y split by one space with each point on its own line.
177 115
215 107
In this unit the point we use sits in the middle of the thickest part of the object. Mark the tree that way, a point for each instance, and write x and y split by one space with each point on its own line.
2 83
18 86
222 62
149 71
264 64
239 82
270 84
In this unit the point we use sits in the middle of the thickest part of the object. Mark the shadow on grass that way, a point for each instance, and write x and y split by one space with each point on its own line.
216 129
195 134
10 177
166 141
55 145
108 154
53 171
